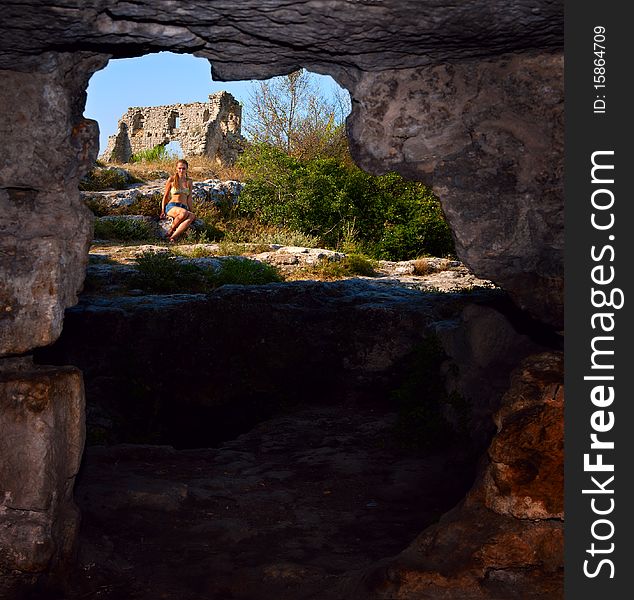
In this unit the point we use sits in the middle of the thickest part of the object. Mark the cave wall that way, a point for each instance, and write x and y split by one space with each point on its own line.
465 97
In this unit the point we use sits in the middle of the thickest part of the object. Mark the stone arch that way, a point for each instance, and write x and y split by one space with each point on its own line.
468 103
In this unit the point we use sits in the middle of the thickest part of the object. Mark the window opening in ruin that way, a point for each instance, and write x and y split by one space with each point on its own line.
174 149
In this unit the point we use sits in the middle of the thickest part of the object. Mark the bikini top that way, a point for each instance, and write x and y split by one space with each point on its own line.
177 191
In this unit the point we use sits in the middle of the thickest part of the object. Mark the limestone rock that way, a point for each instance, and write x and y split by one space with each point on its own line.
42 424
487 73
526 476
243 353
506 539
493 160
209 190
489 140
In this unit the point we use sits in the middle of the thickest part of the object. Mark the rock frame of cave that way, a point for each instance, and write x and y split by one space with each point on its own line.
467 99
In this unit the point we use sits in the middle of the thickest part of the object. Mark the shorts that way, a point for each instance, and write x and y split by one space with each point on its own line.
170 205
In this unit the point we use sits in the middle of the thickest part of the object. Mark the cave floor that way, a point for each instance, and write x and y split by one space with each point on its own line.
287 511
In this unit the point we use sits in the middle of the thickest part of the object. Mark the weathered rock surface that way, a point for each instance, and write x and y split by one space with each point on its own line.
488 136
42 424
262 39
45 230
49 51
304 505
208 190
112 267
241 353
283 512
360 44
505 541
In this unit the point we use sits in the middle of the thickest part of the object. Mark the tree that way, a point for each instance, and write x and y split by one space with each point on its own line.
290 113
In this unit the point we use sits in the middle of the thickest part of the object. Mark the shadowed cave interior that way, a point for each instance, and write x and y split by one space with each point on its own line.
264 441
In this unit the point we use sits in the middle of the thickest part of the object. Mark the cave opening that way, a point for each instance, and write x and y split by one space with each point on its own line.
282 460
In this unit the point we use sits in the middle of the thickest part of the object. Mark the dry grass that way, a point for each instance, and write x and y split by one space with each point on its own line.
332 270
200 168
422 267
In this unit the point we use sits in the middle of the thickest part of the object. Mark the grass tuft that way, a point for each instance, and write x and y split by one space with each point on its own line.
244 271
162 272
348 266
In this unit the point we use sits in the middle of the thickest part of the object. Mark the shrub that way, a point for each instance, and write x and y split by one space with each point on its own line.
348 266
328 198
147 206
157 154
107 178
421 267
162 272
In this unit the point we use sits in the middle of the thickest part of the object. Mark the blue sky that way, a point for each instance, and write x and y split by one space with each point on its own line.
149 81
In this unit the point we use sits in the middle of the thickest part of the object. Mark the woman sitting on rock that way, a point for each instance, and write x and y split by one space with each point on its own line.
177 201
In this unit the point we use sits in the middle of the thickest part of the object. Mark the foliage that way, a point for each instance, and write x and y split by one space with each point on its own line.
348 266
244 271
148 206
289 114
106 178
157 153
385 217
122 229
163 272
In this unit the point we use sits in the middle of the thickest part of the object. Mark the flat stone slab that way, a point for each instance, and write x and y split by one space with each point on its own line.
112 262
280 513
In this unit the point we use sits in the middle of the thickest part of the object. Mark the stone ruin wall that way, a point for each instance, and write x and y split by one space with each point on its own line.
211 129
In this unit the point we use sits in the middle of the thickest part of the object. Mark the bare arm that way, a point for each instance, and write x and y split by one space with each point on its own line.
190 186
166 196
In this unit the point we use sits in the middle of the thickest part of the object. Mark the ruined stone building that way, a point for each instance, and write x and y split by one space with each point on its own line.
210 129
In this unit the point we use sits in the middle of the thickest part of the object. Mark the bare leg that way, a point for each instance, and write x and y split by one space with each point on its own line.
182 226
176 221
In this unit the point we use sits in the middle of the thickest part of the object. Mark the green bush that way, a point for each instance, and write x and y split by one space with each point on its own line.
335 201
156 154
146 205
161 272
348 266
244 271
107 178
